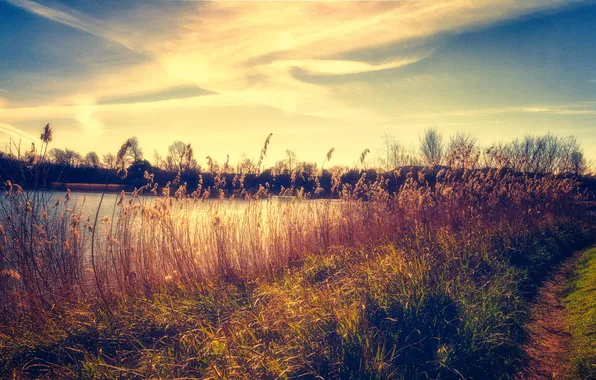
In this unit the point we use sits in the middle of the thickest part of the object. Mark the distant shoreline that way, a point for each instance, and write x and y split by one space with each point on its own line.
93 187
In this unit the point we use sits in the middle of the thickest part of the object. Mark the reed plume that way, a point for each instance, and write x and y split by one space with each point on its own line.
263 152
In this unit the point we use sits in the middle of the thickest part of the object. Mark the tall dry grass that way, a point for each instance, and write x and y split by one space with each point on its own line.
192 239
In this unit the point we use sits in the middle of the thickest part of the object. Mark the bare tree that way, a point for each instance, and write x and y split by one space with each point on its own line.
571 156
246 165
157 159
578 163
431 147
286 165
180 156
135 153
497 156
290 160
66 157
393 154
539 154
390 152
91 160
280 167
212 164
309 168
109 160
462 151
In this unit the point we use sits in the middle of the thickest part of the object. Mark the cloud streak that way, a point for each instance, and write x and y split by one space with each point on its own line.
577 109
209 47
16 133
72 18
247 55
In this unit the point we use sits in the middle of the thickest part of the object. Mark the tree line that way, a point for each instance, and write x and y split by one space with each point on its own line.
532 154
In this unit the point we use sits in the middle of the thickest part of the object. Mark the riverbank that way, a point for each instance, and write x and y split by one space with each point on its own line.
89 187
374 313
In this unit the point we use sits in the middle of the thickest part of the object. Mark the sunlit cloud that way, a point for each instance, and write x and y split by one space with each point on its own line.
168 94
86 110
90 123
258 56
339 67
210 48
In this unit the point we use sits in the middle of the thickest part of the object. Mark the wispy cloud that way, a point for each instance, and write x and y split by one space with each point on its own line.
247 55
322 67
559 111
72 18
168 94
577 109
83 110
453 124
16 133
209 47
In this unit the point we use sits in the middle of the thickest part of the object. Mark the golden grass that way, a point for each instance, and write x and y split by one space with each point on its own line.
372 283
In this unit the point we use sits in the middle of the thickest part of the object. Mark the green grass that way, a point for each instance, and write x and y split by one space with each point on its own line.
581 312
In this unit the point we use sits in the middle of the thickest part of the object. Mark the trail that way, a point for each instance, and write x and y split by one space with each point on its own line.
549 338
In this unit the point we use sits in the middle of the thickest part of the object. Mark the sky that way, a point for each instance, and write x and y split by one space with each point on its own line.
222 75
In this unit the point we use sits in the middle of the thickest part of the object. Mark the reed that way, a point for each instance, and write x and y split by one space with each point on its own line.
428 280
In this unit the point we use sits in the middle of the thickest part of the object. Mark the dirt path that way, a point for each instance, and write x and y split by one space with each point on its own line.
550 340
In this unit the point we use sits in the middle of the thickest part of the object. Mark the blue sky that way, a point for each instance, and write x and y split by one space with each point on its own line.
222 75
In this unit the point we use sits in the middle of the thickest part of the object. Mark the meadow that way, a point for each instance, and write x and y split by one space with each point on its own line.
429 279
581 311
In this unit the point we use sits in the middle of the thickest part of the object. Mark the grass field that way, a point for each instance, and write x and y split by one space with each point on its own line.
581 312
